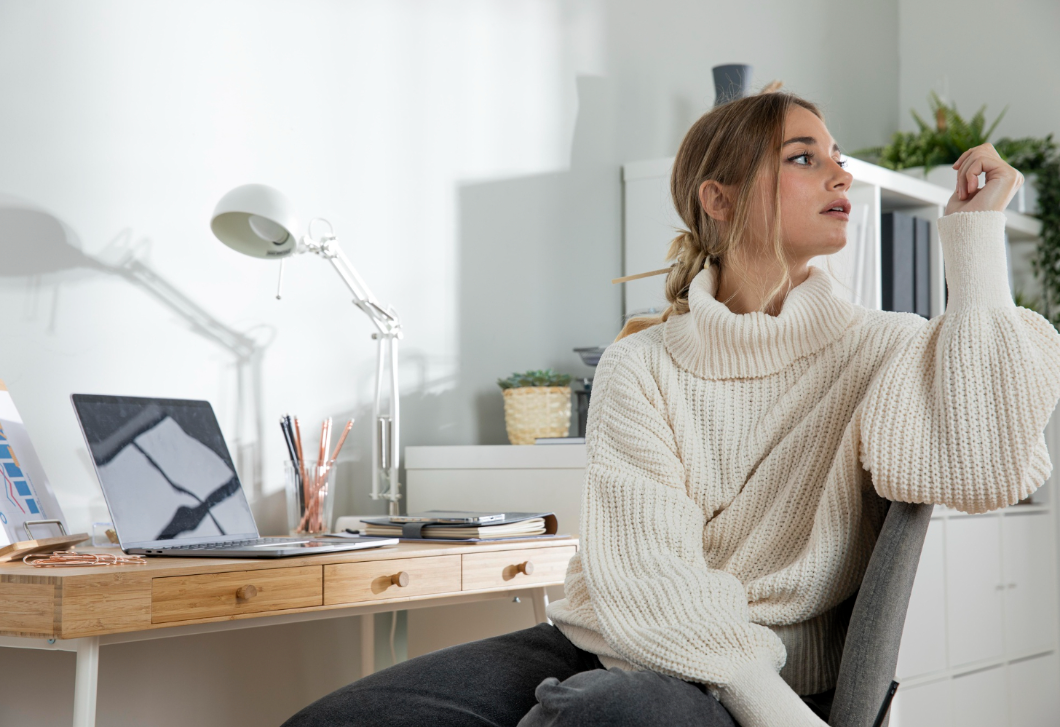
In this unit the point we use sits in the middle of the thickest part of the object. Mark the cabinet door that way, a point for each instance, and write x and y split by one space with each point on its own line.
1034 693
927 705
974 589
980 699
1030 578
924 638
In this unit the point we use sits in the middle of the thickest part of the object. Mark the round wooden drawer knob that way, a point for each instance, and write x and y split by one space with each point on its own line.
400 579
246 593
527 568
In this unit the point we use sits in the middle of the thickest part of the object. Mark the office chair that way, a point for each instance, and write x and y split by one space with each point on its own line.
870 653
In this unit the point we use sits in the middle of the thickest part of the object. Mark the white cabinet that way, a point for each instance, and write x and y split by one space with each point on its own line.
925 705
1035 699
1030 596
974 590
924 638
979 699
988 583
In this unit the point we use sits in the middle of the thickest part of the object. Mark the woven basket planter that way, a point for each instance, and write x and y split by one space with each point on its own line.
536 411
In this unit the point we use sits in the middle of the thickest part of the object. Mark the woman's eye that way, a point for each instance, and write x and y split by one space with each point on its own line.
842 163
805 159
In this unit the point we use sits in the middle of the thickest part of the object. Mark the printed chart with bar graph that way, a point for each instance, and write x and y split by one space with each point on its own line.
26 494
18 488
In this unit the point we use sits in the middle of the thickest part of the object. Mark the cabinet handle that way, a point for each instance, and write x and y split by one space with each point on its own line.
526 567
400 579
999 587
1011 585
246 593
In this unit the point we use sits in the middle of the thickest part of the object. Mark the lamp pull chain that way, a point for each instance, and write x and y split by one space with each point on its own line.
279 283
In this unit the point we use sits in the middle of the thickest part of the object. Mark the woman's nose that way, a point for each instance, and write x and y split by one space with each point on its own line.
843 179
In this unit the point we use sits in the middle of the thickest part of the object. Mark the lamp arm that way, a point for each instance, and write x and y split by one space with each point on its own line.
385 320
387 424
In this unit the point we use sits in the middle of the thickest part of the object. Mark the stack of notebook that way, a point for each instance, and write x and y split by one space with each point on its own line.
513 525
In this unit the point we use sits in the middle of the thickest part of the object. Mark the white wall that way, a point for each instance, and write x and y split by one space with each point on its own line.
979 52
468 155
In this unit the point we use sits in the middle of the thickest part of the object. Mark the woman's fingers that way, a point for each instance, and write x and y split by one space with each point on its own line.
968 176
977 160
961 158
1002 180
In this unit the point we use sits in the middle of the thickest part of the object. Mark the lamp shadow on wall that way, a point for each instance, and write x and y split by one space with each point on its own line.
43 250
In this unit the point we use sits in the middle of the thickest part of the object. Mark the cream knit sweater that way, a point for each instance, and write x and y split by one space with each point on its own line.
734 463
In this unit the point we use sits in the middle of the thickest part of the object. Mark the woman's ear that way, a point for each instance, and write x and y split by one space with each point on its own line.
717 200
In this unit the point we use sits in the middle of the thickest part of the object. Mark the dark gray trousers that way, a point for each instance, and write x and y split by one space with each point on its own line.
531 678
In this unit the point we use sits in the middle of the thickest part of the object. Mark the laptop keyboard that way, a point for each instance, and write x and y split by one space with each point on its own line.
232 544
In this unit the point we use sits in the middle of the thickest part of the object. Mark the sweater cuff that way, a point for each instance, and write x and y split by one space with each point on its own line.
976 260
756 696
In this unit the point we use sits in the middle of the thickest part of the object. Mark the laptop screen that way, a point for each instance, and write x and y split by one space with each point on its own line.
165 470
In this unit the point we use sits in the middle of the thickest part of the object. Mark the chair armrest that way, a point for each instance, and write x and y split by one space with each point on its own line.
870 653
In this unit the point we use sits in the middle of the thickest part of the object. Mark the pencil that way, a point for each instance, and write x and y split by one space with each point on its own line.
298 441
288 437
342 439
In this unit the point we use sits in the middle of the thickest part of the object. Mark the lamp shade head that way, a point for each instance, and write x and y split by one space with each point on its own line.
256 220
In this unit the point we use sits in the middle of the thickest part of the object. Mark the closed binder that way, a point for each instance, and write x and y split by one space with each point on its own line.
905 257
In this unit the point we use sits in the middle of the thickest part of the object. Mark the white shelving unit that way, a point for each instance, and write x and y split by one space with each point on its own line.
980 642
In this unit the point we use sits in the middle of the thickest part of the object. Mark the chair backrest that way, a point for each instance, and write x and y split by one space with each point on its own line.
870 653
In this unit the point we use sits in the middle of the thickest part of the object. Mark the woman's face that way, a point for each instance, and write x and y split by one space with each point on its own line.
813 184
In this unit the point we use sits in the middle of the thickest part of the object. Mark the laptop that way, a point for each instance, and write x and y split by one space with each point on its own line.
171 486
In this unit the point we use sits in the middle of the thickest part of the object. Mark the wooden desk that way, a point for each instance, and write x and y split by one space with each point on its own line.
80 609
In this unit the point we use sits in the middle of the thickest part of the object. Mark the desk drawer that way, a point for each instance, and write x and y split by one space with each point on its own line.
507 568
187 598
377 580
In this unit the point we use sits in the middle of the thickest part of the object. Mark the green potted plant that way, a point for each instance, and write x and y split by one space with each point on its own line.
932 149
536 404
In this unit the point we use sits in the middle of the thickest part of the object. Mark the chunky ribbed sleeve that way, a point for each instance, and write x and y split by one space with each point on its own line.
658 605
957 416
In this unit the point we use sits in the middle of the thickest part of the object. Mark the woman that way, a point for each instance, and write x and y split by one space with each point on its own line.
740 445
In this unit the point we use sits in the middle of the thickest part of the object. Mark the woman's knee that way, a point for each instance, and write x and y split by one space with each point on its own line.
615 697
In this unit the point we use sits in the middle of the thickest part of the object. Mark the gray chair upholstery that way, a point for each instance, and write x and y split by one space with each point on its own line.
870 653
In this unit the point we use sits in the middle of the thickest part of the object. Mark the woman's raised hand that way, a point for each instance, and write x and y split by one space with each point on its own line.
1002 181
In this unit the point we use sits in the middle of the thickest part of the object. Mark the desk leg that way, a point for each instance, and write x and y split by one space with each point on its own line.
540 598
367 644
85 680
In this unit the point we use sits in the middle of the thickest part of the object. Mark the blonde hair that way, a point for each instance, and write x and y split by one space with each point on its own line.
732 144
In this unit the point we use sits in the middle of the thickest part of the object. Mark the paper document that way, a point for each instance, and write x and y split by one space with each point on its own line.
27 495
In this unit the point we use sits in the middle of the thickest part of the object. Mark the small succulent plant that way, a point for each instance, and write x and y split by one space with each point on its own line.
548 377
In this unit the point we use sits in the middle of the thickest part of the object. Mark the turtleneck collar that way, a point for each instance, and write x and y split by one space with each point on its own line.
712 342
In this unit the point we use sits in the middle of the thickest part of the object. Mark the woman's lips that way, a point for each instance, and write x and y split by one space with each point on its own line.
837 214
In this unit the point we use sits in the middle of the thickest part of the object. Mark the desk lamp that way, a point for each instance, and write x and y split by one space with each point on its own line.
259 221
